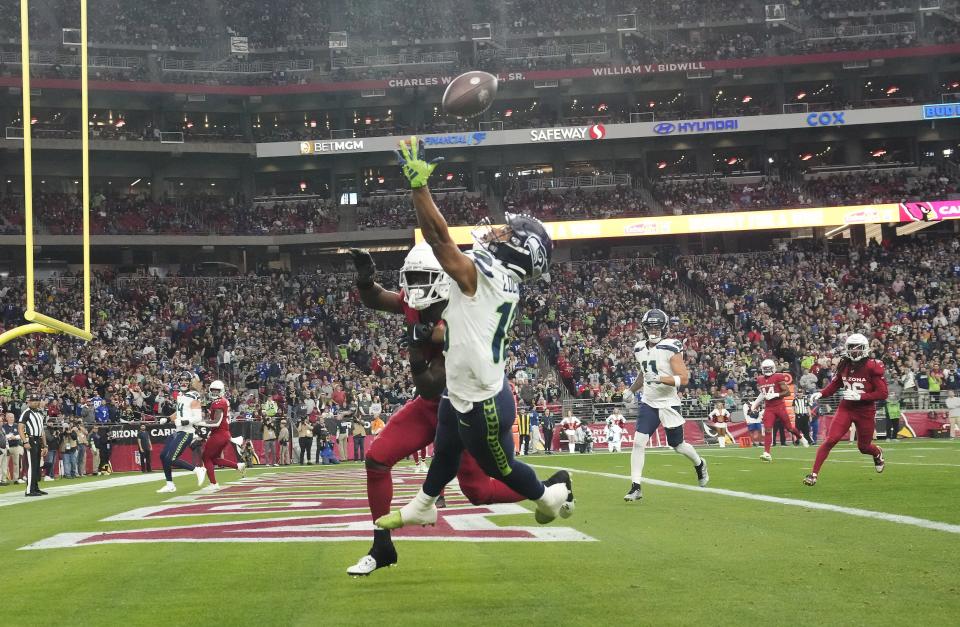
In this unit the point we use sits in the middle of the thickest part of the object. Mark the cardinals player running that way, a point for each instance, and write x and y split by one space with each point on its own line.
422 298
773 391
863 385
663 371
219 437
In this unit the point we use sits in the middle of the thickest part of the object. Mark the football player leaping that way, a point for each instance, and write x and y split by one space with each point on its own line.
479 409
773 389
863 385
421 300
662 372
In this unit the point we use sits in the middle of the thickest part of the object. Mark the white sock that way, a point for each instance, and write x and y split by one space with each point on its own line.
571 445
423 500
638 456
686 449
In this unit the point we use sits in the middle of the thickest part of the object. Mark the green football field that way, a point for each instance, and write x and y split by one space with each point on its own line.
857 549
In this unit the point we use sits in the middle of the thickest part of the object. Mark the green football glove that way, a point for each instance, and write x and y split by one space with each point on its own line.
413 164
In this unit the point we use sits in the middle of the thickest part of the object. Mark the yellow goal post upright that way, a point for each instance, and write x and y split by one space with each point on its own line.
36 321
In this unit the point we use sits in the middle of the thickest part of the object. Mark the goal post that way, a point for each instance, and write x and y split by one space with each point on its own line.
36 321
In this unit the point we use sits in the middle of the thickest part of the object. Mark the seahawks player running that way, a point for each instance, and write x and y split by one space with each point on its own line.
188 415
478 410
663 372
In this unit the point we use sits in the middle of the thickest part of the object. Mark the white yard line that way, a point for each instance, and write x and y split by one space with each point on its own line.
850 511
54 491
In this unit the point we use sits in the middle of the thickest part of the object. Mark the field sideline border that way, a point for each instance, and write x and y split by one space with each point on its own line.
923 523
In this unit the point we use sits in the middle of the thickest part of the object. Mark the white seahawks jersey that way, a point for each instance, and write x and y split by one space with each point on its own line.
476 335
656 359
184 411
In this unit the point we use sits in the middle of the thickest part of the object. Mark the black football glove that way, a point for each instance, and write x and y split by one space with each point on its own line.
419 333
366 268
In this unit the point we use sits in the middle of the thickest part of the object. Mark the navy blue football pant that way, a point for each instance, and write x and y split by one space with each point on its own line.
170 457
486 432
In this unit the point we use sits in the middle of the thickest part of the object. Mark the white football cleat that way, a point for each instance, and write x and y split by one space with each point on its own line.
410 514
167 489
765 456
550 504
635 493
242 469
804 442
210 489
703 477
201 473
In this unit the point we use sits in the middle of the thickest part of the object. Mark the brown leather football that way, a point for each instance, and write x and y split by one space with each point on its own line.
470 94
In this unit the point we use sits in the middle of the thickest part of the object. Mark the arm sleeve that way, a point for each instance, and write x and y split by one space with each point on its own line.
880 391
832 387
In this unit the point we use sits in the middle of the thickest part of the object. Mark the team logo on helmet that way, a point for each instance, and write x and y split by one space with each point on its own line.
538 256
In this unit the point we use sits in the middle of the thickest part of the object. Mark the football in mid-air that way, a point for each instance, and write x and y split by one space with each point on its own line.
470 94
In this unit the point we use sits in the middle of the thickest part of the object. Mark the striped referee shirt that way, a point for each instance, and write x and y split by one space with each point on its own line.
32 421
800 406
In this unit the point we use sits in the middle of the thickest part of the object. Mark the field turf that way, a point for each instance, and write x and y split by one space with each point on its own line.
679 557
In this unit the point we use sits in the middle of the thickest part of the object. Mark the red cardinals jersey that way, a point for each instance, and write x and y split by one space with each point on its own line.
772 384
221 406
865 377
413 317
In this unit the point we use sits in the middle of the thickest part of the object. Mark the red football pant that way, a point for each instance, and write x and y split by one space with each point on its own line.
840 427
770 415
212 449
420 454
411 429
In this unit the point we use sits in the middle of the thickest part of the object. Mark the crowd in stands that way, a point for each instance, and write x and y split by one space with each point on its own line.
303 347
715 195
396 212
301 27
795 305
60 214
579 204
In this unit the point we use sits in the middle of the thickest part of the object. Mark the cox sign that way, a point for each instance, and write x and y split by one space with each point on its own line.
827 118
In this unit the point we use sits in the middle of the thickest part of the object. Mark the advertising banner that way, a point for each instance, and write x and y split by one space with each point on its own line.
600 132
805 217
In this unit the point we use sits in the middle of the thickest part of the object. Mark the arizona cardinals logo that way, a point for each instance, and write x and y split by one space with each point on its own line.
919 211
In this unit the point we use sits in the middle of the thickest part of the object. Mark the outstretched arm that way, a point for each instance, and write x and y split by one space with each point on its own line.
434 227
372 294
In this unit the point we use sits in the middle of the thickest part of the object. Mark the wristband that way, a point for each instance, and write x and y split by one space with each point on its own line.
418 367
676 381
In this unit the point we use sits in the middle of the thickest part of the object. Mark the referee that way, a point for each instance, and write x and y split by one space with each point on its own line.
801 411
34 441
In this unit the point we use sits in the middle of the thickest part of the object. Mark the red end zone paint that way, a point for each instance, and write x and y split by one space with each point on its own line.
312 515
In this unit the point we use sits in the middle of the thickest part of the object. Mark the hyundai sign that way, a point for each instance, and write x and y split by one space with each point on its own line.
940 111
696 126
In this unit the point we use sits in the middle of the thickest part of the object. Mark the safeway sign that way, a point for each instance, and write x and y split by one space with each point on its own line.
568 133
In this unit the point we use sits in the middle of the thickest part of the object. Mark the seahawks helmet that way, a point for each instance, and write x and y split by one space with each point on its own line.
185 379
522 245
654 324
